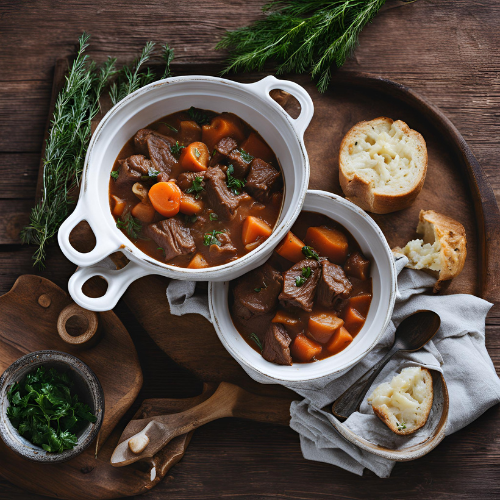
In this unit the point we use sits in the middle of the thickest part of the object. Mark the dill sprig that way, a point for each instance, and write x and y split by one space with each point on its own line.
66 146
302 36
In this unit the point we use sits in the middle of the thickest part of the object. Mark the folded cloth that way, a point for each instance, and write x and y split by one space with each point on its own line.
457 350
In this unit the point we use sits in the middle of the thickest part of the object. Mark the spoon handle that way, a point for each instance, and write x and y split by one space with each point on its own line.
348 402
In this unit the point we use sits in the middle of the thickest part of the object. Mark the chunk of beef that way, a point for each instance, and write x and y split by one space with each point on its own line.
157 147
222 150
333 285
357 265
241 166
172 236
256 292
223 201
131 169
262 180
276 345
300 296
185 179
223 252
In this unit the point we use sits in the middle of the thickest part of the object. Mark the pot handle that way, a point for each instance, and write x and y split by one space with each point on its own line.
105 245
264 86
118 282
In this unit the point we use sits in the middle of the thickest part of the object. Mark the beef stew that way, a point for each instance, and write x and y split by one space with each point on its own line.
310 299
196 189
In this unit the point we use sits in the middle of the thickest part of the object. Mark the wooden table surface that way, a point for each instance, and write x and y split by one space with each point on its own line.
447 50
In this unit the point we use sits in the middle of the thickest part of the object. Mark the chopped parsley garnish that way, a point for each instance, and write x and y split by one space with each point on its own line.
247 157
114 174
213 216
162 251
235 185
310 253
196 152
256 339
199 116
259 289
46 411
152 174
176 149
211 238
196 187
300 280
171 127
401 426
131 225
213 152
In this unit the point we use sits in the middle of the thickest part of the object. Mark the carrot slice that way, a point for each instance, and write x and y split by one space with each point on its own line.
353 320
285 318
224 125
304 349
166 198
198 262
330 243
143 211
340 340
189 131
256 146
361 303
255 229
291 248
322 325
190 205
119 206
194 157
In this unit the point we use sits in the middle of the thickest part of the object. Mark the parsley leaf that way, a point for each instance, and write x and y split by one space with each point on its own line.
401 426
235 185
211 238
45 410
256 339
247 157
190 218
131 226
199 116
213 216
196 186
176 148
300 280
310 253
114 174
152 174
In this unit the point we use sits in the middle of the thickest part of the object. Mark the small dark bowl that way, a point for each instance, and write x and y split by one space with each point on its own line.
87 386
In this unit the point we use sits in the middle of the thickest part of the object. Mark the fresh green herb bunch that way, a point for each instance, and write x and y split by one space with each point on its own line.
44 410
302 36
76 106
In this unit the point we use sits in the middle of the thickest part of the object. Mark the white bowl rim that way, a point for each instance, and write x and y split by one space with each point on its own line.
356 359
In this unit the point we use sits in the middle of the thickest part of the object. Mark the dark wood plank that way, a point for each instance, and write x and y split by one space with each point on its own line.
18 175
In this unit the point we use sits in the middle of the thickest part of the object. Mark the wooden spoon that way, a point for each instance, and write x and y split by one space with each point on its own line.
411 335
149 435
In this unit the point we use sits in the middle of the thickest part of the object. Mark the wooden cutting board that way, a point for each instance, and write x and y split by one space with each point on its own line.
455 185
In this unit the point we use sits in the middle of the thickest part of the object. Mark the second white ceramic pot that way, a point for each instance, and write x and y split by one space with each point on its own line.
383 273
253 104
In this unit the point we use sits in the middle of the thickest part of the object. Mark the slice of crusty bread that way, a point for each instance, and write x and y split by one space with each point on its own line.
404 403
382 165
442 249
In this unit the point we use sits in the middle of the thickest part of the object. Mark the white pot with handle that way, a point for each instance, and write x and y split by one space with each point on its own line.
253 104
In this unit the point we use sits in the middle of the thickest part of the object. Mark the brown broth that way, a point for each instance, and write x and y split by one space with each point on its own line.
268 212
258 325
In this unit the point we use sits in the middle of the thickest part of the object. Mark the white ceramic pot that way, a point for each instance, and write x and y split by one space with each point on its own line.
383 273
253 104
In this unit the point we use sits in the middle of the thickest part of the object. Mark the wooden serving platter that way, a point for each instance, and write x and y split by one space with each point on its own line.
455 185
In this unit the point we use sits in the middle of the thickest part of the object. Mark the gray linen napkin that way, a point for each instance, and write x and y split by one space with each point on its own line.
458 351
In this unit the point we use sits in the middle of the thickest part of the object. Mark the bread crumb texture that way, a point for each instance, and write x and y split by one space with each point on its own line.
405 402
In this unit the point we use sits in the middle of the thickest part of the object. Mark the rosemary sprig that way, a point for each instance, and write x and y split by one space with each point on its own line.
76 106
302 36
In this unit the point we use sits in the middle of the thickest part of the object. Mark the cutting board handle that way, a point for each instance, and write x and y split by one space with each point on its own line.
150 435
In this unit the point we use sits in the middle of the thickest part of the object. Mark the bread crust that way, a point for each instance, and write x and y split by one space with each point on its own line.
360 191
385 415
453 240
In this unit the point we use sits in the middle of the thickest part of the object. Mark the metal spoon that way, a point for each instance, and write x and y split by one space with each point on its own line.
411 335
